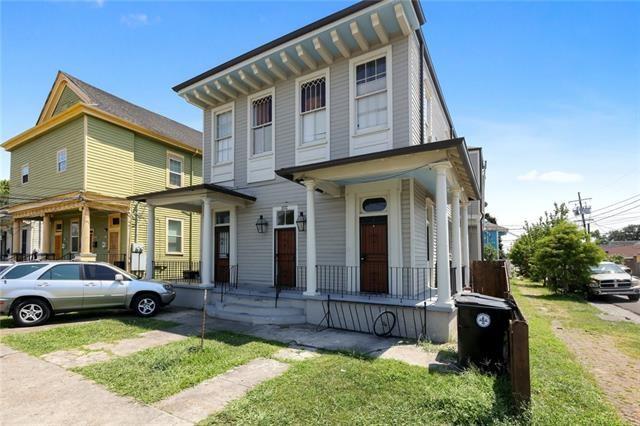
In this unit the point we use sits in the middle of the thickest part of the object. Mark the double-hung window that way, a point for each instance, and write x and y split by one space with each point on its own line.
174 170
62 160
371 94
313 111
174 236
75 236
223 137
25 174
262 125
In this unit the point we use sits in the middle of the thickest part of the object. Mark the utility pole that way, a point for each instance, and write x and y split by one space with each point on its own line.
584 224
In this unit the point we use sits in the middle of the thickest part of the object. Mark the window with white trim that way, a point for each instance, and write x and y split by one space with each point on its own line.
75 236
313 111
174 169
174 236
371 94
25 174
62 160
223 144
262 125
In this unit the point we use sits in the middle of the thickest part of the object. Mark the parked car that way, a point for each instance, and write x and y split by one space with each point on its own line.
611 278
32 292
4 265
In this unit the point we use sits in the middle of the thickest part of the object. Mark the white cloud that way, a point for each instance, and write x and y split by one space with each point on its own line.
553 176
133 20
100 3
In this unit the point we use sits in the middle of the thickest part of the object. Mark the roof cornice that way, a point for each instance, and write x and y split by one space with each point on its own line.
80 109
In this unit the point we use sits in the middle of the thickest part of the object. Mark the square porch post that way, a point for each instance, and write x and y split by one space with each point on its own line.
456 243
442 246
46 233
312 288
151 245
205 250
464 212
16 235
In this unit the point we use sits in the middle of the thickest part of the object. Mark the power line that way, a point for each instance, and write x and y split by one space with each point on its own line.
618 202
617 214
633 204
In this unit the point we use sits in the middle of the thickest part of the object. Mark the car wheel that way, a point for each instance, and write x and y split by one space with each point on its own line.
31 312
634 297
146 305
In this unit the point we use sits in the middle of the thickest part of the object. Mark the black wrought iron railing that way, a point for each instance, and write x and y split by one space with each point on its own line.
226 279
177 271
30 257
375 280
116 259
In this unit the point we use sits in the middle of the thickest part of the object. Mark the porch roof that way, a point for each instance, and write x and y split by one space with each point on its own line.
69 201
188 198
412 161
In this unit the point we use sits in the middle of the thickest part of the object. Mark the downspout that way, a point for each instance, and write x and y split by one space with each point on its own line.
190 213
421 89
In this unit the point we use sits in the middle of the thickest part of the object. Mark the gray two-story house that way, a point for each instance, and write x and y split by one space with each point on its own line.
332 167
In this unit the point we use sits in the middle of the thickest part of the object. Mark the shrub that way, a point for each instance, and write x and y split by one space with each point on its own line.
489 253
563 258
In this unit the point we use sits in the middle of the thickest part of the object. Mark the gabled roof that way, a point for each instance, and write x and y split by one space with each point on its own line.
97 102
138 115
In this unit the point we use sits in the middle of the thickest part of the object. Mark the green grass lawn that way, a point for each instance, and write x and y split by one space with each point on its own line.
563 392
575 312
76 335
156 373
350 390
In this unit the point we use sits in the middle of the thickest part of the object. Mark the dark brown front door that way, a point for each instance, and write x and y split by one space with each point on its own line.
221 261
285 257
57 246
373 254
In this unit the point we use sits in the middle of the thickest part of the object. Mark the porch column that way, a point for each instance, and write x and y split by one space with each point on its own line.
205 250
15 236
85 236
46 233
442 246
456 243
311 238
464 212
151 241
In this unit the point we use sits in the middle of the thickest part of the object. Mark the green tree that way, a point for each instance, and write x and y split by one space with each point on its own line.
523 249
4 192
563 258
489 253
628 233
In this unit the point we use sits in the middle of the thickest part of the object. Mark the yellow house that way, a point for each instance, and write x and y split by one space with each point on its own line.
73 171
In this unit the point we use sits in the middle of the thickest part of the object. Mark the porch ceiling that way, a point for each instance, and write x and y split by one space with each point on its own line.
189 198
351 31
409 162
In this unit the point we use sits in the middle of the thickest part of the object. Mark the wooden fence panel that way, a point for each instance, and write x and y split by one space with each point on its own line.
490 278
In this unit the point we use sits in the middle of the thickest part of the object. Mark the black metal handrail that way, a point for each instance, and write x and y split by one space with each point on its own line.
231 272
294 280
182 271
410 283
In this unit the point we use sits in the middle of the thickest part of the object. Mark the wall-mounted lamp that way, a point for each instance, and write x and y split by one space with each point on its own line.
261 225
301 222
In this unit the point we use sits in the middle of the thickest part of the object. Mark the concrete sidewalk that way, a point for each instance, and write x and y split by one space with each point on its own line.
37 392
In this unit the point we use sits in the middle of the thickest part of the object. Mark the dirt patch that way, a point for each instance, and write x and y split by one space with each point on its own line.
616 373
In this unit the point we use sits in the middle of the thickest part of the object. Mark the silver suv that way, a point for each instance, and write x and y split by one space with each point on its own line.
33 292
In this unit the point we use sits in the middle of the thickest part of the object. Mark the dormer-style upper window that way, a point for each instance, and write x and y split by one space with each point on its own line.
261 125
313 110
174 169
25 174
62 160
371 94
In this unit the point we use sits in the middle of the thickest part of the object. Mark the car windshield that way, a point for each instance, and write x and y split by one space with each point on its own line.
607 268
19 271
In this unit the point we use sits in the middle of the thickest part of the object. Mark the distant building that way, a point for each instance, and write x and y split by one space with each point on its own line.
491 235
629 250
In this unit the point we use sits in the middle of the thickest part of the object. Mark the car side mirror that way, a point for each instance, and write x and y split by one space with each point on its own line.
119 277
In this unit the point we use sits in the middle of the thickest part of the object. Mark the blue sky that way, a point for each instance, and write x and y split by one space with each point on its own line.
550 90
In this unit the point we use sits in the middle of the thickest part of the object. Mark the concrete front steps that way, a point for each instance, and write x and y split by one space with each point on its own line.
257 310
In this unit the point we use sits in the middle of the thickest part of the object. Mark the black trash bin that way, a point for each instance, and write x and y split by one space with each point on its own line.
483 324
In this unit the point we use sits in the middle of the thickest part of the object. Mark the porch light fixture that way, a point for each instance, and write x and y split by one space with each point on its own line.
301 222
261 225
